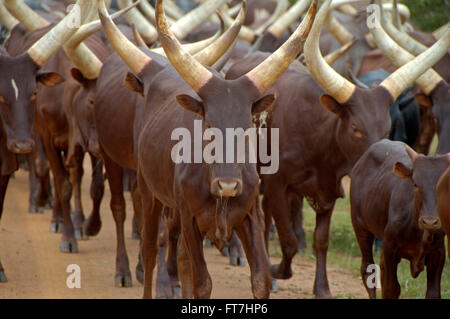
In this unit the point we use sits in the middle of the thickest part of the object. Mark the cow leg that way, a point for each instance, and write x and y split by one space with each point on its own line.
236 254
173 227
93 224
365 242
193 240
297 219
435 262
390 288
321 237
275 204
151 217
137 206
56 224
63 190
4 180
43 174
185 270
131 179
163 285
33 182
76 175
251 235
114 174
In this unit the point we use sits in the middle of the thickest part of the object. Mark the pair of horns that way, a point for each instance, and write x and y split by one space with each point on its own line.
411 66
340 88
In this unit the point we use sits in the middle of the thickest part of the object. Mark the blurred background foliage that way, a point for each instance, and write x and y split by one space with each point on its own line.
428 15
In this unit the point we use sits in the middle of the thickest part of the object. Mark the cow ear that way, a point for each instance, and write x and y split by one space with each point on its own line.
133 83
401 171
263 104
79 77
424 100
191 104
49 79
331 104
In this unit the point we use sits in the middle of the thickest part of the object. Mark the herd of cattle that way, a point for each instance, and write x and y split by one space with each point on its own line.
77 80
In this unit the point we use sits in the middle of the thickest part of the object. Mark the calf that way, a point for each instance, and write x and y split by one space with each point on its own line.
393 197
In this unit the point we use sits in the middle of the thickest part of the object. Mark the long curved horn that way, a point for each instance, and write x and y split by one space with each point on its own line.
130 54
212 53
402 38
282 6
245 34
411 68
173 10
54 39
190 21
146 29
265 74
30 19
6 18
337 86
83 58
337 30
195 74
284 22
195 47
333 56
149 12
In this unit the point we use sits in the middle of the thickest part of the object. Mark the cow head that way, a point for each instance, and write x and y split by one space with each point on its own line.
83 132
222 104
20 75
363 113
439 100
424 173
18 86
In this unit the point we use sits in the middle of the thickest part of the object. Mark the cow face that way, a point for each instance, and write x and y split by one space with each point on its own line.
424 174
82 129
440 101
363 120
227 106
18 98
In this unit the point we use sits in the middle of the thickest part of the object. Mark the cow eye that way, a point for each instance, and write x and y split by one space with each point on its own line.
356 131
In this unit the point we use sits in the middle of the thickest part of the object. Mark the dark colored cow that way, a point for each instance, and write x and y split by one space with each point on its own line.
19 80
443 202
321 138
393 197
193 189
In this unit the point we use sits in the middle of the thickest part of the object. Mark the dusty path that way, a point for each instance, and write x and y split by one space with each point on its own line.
36 269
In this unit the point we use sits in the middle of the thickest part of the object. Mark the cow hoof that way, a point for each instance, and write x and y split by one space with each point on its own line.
241 261
273 285
80 234
123 281
208 243
92 228
139 275
277 274
135 235
225 252
32 209
177 292
323 295
56 227
68 247
3 277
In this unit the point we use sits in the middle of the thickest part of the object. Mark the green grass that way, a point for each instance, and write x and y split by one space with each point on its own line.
344 253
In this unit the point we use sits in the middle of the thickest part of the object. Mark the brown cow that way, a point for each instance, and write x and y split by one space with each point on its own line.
393 197
18 82
193 189
443 202
340 126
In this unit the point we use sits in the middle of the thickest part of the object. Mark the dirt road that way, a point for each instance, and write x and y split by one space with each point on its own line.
36 269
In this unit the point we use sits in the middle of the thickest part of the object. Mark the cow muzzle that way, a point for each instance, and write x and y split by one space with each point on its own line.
429 223
22 147
230 187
